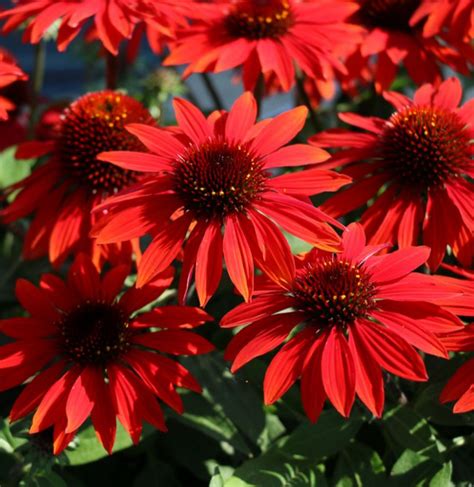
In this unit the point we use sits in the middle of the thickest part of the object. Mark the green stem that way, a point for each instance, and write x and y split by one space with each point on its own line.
216 99
306 101
37 83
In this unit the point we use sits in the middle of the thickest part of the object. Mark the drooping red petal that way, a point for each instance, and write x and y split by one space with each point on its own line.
163 249
238 257
339 373
286 366
313 394
80 400
389 350
103 415
208 267
260 337
369 380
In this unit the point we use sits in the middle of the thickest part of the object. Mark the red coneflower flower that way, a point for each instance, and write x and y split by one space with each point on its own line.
266 36
215 173
422 156
358 313
62 192
397 40
113 20
90 355
9 74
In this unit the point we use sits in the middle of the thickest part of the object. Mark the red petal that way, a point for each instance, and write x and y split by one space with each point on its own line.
80 400
176 342
157 140
309 182
241 117
33 393
412 332
459 383
238 257
392 352
280 131
399 263
27 328
163 249
173 317
353 241
369 380
208 267
84 278
296 155
312 388
192 121
103 415
259 308
35 301
286 366
136 161
339 372
112 282
260 337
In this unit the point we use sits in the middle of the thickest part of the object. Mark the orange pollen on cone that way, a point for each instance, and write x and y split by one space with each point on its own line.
388 14
424 146
95 332
333 292
96 123
258 19
216 179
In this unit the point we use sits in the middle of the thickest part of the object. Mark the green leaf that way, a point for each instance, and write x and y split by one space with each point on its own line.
89 449
409 430
359 465
217 480
293 460
413 469
13 170
443 477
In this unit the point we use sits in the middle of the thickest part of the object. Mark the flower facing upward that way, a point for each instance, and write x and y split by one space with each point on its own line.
215 173
397 40
113 20
62 192
266 36
90 354
357 313
423 156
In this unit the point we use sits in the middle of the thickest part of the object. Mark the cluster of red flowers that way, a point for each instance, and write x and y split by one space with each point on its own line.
211 194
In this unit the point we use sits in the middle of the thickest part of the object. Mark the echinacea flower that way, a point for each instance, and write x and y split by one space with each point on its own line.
62 192
10 73
215 183
266 36
347 317
416 165
113 20
396 40
89 354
